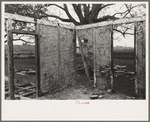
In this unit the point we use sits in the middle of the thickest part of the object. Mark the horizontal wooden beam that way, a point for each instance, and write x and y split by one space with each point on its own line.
32 20
119 21
23 32
19 18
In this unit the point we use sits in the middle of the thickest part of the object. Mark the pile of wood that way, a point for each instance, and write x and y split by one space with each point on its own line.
24 90
121 70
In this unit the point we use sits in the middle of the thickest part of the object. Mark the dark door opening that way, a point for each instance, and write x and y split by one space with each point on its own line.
124 59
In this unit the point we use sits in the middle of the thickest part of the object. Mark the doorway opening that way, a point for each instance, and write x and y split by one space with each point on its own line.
21 61
124 59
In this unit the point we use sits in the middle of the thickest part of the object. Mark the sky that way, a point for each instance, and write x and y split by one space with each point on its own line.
118 7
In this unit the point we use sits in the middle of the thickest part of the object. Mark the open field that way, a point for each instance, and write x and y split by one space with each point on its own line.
22 65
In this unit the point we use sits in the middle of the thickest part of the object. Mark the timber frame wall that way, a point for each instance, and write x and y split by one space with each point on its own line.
75 31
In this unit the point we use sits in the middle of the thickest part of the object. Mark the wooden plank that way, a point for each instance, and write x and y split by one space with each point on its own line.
94 53
10 65
24 89
140 60
37 60
75 53
83 59
23 85
23 32
28 94
136 65
59 55
32 20
112 59
19 17
118 21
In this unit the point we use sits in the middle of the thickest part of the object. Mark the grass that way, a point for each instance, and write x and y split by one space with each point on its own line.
22 49
22 64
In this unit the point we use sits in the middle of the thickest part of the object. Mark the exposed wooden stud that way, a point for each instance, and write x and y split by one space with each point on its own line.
10 65
83 59
75 53
112 61
37 59
59 55
94 54
119 21
135 63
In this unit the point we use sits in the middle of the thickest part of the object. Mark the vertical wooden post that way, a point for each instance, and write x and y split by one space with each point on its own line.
75 53
111 60
10 59
37 59
135 60
59 55
83 59
94 54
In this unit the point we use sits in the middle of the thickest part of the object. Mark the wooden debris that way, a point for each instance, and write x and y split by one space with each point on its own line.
100 96
94 96
23 85
27 88
27 94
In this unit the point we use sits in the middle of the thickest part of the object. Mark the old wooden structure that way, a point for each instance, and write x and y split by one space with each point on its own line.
56 53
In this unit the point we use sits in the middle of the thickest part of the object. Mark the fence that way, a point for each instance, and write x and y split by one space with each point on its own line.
122 55
22 55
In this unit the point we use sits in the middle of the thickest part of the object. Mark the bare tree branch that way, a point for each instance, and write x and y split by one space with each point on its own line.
68 14
23 41
100 8
55 16
123 33
105 18
78 11
56 6
129 10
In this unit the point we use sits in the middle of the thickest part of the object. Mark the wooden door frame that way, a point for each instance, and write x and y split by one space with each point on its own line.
11 61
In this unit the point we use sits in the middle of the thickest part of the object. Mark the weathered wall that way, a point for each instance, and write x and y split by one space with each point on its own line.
56 57
67 62
101 38
103 56
140 59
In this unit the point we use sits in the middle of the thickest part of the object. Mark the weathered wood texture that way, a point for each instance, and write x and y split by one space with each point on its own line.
10 59
100 39
37 59
140 58
32 20
112 22
103 56
57 68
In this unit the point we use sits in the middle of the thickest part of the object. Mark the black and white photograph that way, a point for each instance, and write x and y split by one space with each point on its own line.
75 53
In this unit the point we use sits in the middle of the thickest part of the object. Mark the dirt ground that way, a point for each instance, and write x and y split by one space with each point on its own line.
82 90
124 88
